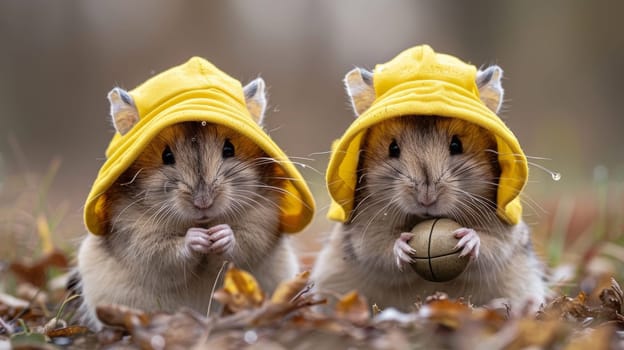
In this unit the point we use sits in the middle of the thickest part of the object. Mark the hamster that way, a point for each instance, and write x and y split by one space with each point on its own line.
412 169
198 195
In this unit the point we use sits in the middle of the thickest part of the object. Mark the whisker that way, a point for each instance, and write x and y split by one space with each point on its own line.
555 175
133 178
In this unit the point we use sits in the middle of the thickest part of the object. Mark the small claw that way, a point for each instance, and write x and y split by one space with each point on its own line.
469 242
223 239
218 239
462 242
403 251
197 240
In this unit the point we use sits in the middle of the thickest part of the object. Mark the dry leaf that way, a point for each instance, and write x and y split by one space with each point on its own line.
266 314
287 290
36 273
68 331
566 308
595 339
353 307
181 330
611 304
613 297
538 334
492 320
240 291
121 316
445 312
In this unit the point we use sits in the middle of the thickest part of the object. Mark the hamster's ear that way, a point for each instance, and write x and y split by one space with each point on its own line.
490 87
255 97
359 85
122 109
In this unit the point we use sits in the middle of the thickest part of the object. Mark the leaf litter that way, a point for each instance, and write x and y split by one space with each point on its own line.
295 316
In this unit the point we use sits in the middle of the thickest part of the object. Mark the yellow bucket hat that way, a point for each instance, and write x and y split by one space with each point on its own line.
193 91
421 82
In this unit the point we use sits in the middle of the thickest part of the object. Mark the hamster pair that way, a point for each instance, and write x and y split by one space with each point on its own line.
412 168
198 194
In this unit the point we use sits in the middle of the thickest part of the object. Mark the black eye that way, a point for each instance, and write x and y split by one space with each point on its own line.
394 151
456 146
228 149
167 156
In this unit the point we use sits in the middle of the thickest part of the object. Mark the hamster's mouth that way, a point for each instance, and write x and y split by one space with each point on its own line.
425 212
428 213
204 222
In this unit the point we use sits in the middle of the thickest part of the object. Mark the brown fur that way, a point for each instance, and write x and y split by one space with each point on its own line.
360 255
143 262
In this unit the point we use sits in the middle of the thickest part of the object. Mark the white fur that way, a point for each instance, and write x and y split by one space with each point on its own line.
361 93
124 115
490 87
255 97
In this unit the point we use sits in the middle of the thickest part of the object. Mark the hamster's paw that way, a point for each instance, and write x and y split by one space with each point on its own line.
197 240
222 237
469 242
218 239
402 251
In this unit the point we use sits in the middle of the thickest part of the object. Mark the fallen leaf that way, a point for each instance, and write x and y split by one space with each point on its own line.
68 331
266 314
353 307
286 291
36 273
595 339
240 291
445 312
613 297
530 333
181 330
610 308
491 320
121 316
566 308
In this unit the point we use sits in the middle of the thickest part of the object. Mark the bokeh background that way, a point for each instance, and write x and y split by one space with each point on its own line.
563 63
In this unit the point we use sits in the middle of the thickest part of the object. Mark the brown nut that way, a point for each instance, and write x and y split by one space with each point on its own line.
436 258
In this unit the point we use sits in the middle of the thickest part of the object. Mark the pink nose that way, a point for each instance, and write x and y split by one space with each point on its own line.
202 201
427 200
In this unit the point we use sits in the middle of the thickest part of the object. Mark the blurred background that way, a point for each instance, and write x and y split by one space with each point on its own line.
563 74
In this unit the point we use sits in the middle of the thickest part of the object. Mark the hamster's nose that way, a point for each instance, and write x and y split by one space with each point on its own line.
202 201
427 199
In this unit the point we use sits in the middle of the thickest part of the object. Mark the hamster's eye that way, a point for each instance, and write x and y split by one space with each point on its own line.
167 156
456 146
228 149
394 151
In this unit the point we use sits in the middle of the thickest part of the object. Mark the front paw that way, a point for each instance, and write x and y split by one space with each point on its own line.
218 239
402 250
469 242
